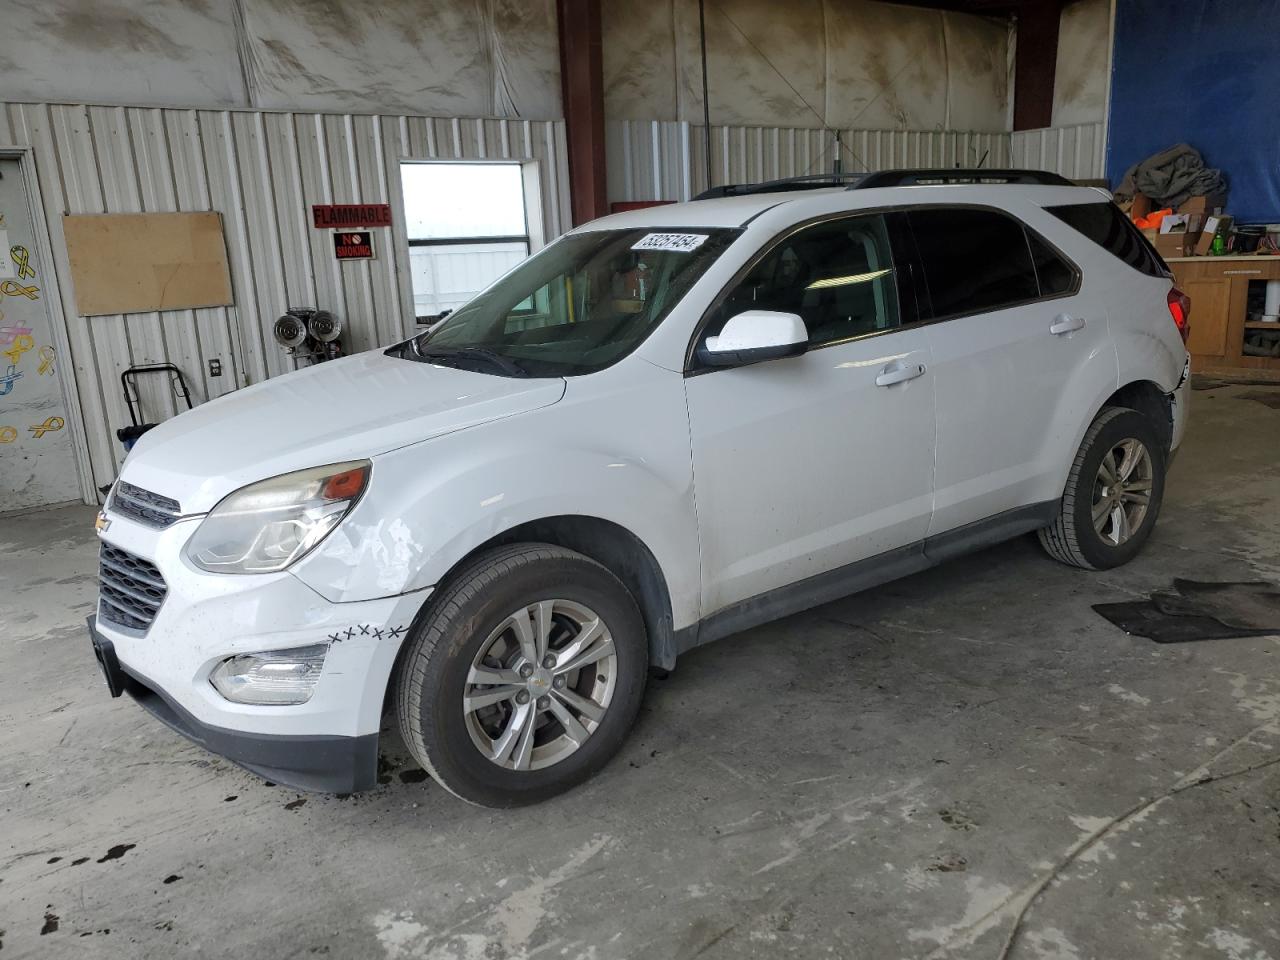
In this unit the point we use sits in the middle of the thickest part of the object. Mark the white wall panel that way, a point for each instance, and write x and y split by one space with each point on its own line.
451 57
1083 63
1077 152
665 160
447 276
806 63
261 171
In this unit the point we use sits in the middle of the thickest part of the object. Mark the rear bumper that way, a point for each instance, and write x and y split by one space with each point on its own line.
325 764
1180 402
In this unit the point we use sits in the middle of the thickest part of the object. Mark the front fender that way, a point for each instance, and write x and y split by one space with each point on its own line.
619 454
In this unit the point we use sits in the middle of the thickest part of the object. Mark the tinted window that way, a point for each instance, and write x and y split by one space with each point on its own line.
1108 227
837 275
1055 274
974 260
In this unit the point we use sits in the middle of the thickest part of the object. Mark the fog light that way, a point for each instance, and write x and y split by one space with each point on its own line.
271 677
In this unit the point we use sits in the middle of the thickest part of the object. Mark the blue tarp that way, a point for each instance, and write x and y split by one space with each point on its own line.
1207 73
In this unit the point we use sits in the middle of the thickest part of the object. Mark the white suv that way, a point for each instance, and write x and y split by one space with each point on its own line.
669 425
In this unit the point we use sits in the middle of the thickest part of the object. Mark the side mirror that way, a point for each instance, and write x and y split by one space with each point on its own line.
756 335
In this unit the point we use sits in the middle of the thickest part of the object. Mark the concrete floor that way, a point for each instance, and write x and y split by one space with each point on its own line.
898 774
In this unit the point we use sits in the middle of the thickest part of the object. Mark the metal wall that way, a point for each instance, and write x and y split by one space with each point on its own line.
1083 64
807 63
1078 152
665 160
262 171
447 276
444 58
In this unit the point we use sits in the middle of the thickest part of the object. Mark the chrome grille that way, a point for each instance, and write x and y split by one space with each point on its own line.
131 589
144 506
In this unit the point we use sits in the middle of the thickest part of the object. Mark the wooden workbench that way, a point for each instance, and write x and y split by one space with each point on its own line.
1219 289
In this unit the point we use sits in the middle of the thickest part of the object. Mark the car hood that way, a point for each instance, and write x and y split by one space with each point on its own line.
345 409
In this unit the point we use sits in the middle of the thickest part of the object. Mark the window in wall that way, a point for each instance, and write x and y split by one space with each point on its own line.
1108 227
837 276
974 260
467 226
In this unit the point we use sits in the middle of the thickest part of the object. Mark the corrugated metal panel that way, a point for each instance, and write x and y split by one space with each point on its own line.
1077 152
446 277
665 160
261 171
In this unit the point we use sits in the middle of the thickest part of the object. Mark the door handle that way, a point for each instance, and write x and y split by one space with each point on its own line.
899 373
1065 324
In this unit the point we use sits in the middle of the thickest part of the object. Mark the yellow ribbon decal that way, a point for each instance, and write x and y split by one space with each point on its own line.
8 434
50 424
46 362
13 288
20 256
21 344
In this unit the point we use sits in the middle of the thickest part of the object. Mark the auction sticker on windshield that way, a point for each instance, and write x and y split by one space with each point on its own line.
679 242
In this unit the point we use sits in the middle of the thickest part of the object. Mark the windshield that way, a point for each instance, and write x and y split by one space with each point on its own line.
578 306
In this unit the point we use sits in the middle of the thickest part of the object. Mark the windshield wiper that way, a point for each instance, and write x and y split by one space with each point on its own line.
483 354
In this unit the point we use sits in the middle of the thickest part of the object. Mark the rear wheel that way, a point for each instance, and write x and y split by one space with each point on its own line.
525 677
1113 493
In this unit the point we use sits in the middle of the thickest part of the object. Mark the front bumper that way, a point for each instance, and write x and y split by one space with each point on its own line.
328 743
324 764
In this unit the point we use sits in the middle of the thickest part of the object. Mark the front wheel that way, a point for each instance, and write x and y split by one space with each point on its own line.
525 677
1113 493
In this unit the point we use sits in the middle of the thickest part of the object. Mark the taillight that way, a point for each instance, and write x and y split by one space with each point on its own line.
1180 310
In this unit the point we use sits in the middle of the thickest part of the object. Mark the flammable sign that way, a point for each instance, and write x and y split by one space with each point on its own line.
353 244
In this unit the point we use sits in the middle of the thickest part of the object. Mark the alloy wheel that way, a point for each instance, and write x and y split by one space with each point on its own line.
1122 491
540 684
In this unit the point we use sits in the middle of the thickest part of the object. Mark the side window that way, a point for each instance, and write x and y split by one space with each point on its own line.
1055 274
1109 228
974 260
838 276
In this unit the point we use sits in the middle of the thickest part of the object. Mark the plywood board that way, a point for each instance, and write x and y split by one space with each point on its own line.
138 262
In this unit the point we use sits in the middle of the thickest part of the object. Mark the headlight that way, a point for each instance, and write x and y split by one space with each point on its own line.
266 526
274 677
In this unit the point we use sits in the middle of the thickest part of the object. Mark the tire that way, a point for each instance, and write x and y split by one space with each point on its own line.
1074 538
474 625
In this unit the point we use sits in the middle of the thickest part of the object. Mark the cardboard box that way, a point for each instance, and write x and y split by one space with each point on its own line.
1180 223
1176 244
1204 205
1212 227
1142 205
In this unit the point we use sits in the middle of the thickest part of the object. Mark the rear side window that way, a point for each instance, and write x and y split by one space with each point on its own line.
974 260
1108 227
1056 275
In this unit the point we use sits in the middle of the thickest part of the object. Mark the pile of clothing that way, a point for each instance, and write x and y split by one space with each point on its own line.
1171 177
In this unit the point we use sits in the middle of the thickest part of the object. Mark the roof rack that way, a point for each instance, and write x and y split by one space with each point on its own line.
813 181
919 178
889 178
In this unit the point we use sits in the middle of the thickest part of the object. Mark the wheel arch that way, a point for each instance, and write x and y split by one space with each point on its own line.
1149 399
606 542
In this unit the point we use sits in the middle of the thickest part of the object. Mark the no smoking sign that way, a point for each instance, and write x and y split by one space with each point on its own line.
353 244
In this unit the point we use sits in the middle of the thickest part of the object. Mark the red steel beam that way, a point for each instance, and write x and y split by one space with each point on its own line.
1034 64
582 86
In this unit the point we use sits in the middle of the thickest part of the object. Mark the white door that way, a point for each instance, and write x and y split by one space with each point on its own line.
1015 366
803 465
37 461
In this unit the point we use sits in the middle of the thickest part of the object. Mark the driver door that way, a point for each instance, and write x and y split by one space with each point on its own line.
808 464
